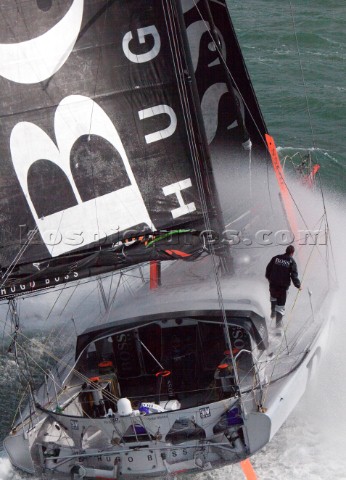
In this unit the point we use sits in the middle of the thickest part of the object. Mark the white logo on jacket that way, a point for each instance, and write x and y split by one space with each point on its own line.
282 262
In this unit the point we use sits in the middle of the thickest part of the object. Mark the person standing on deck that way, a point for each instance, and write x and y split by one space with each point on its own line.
279 272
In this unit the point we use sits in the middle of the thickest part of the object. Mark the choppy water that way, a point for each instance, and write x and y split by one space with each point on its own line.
269 41
301 114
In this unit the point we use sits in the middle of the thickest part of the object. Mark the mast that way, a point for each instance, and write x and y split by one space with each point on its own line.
217 216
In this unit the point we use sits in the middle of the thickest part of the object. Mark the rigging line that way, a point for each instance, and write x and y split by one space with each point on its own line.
294 341
224 61
84 378
111 302
5 326
110 288
87 295
250 175
302 74
102 294
56 332
315 245
44 291
56 300
92 110
18 256
24 394
249 112
27 379
188 121
179 73
187 116
297 294
25 352
105 11
69 299
327 224
54 357
310 120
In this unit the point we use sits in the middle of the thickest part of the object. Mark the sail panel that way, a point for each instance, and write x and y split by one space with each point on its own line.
228 101
97 127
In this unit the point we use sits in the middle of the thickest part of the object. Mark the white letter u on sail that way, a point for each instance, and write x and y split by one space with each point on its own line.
158 110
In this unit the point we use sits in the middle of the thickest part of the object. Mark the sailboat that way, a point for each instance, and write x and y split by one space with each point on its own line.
132 143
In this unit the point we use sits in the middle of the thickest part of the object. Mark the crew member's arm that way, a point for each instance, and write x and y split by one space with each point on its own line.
294 274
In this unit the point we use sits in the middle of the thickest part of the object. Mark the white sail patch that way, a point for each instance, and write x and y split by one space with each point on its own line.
175 189
159 110
119 210
210 107
142 33
187 5
38 59
195 32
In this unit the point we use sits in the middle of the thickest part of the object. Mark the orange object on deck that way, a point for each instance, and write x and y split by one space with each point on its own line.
178 253
222 366
235 350
155 274
163 373
248 470
105 364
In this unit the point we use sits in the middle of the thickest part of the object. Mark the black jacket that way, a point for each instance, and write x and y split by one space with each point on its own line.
281 270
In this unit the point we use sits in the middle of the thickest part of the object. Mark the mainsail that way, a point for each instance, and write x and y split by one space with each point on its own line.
99 137
102 138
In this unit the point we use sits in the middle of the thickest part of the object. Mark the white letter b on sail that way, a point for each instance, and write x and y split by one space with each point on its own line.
77 116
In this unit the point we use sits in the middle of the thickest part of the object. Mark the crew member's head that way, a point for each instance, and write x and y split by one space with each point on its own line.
290 250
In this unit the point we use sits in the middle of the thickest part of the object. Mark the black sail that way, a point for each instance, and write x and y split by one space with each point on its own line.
229 105
234 126
98 138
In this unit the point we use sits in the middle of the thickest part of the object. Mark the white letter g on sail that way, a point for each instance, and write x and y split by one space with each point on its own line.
142 33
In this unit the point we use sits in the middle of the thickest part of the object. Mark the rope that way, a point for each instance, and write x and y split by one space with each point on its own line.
84 378
18 256
310 122
302 74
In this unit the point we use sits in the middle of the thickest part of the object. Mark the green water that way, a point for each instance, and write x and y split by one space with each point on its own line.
296 58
